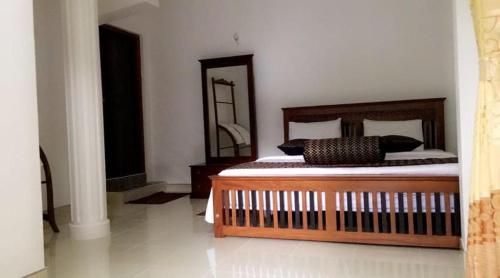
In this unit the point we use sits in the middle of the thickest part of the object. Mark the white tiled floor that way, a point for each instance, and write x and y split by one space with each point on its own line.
171 241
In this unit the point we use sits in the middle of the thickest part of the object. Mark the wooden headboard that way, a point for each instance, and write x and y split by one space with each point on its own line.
431 111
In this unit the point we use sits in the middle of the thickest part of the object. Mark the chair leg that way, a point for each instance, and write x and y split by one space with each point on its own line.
50 215
52 221
53 225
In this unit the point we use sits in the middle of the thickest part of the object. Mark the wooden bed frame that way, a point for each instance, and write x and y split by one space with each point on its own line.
355 224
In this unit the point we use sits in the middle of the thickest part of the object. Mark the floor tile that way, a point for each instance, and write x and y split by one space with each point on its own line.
170 240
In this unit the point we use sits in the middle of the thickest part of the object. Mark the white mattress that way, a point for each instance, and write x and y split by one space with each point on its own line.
449 169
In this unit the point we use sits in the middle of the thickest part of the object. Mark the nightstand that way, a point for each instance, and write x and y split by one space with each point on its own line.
200 178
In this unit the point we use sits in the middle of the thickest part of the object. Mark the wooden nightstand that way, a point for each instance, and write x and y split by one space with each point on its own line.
200 181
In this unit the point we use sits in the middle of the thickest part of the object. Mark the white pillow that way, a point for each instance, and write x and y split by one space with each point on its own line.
411 128
315 130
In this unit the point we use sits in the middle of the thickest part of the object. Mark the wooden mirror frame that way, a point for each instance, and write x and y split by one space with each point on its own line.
242 60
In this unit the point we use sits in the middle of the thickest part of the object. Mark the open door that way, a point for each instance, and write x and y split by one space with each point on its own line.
122 97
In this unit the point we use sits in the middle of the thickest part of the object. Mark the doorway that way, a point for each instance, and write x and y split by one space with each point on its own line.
122 105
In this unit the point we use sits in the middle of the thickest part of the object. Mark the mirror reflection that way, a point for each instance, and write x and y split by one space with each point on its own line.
229 115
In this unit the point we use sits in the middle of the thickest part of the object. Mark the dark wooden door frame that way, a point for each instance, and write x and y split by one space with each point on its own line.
139 177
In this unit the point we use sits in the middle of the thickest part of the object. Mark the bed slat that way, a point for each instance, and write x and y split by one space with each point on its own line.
411 229
447 213
261 208
304 210
225 193
233 205
247 208
289 205
393 212
342 216
331 211
275 209
359 226
375 212
320 210
428 213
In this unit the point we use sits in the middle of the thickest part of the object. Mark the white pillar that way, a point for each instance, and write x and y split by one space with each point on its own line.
84 120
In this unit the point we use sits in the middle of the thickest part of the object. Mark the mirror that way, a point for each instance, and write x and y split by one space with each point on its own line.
228 98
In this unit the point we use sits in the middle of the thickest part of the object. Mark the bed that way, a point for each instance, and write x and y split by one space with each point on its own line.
408 205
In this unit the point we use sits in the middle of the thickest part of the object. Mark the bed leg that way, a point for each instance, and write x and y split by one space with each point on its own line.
217 210
218 232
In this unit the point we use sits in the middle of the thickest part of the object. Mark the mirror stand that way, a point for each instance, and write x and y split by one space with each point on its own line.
229 109
229 118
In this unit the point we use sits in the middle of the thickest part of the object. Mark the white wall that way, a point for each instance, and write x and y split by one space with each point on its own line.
110 10
109 6
467 75
21 240
51 94
306 53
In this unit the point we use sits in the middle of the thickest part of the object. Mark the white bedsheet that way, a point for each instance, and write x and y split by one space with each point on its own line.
449 169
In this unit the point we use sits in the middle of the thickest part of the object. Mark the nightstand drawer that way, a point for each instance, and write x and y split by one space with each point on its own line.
200 179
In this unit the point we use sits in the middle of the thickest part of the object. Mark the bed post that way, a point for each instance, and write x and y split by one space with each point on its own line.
217 205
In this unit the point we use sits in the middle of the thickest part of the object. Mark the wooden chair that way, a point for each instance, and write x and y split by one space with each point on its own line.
49 216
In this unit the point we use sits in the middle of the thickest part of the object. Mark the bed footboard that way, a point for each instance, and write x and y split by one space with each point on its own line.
407 211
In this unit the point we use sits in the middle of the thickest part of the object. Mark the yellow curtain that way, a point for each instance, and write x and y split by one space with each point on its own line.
483 255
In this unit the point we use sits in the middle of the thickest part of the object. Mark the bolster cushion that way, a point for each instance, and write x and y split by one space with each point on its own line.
293 147
396 143
349 150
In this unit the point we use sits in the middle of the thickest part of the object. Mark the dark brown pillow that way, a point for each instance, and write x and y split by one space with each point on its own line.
348 150
293 147
397 143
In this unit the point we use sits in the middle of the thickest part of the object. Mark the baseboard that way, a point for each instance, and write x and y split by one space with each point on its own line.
177 188
125 183
42 273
